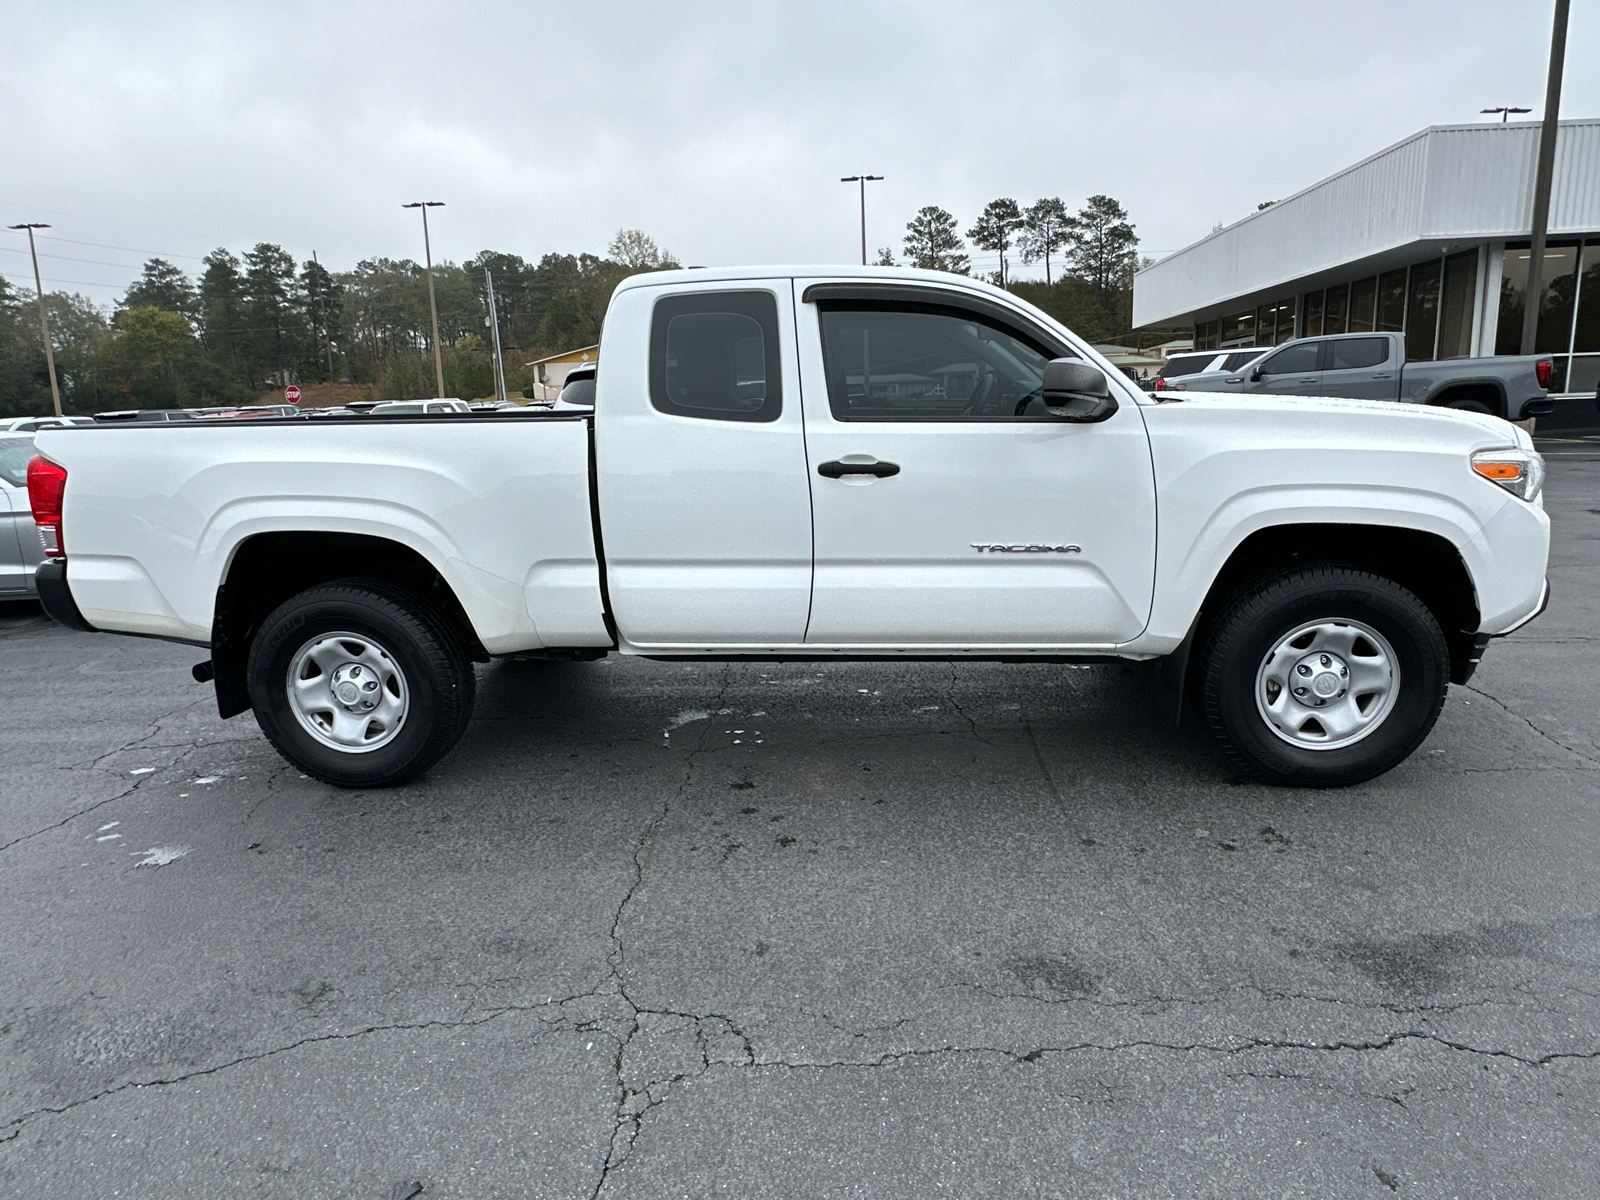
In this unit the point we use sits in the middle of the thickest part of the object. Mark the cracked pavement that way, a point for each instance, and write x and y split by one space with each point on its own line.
801 930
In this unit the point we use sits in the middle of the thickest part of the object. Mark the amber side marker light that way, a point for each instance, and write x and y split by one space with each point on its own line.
1498 471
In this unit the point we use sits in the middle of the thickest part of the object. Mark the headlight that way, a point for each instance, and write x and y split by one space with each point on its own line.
1520 472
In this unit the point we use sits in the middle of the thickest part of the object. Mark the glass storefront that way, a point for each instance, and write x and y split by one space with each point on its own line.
1569 310
1433 304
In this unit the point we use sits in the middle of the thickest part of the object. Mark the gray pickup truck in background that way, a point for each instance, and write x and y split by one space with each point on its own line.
1373 366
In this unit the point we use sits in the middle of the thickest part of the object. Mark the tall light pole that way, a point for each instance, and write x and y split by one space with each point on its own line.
44 326
433 305
1541 180
863 180
1504 112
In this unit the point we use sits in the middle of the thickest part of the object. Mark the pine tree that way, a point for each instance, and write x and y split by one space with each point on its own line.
932 243
995 228
1046 226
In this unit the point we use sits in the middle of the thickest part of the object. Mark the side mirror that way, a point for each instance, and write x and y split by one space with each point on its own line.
1075 391
1255 376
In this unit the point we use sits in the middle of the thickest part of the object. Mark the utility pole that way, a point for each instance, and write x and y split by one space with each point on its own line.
863 180
433 305
44 325
1504 112
1534 297
327 338
494 323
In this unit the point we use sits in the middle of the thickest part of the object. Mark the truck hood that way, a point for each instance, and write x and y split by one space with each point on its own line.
1387 417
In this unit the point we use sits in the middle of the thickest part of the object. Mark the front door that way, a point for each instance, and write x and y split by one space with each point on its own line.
950 508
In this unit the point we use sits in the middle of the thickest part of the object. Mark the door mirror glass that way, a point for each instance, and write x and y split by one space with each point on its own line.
1076 391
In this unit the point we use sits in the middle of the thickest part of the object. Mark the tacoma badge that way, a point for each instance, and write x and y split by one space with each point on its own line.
1024 548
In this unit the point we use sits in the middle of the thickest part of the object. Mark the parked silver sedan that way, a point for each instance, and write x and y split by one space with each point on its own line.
20 551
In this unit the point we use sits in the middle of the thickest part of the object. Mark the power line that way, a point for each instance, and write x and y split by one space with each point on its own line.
128 249
99 262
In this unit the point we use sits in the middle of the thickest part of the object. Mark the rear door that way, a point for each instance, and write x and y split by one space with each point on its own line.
1360 368
950 508
705 504
1293 371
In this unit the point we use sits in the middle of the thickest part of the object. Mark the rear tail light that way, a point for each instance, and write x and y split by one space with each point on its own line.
1544 370
1161 384
47 482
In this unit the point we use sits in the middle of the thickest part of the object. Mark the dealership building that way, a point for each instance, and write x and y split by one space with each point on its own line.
1429 238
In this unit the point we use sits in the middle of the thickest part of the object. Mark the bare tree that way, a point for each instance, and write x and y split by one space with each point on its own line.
637 250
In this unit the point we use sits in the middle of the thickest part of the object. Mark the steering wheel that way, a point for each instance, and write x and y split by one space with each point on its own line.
1022 405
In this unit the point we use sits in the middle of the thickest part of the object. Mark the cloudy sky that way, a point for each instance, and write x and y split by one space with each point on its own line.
719 128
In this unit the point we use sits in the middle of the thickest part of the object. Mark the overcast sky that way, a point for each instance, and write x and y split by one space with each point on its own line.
719 128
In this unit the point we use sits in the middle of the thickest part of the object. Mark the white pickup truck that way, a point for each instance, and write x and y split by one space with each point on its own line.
816 463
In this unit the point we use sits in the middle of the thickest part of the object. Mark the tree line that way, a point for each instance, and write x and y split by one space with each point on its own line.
1089 257
257 320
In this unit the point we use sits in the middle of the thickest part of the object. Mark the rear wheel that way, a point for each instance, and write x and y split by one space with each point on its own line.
1323 676
361 683
1477 406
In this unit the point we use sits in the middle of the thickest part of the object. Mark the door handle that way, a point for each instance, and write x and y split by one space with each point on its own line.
837 470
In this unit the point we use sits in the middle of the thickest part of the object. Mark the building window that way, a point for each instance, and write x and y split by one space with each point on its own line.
1392 301
1455 306
1556 308
1422 311
1239 330
1586 329
1311 326
1364 305
1336 310
1205 335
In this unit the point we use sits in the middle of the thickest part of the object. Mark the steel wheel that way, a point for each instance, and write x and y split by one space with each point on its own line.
348 692
1327 684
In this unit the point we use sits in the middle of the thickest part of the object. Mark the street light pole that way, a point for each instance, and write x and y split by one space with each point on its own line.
433 305
1504 112
863 180
1534 296
44 326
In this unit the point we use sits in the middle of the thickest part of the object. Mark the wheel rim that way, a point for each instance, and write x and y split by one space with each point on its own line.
1327 684
348 692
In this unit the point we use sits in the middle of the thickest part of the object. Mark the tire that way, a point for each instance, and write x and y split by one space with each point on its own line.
1375 662
400 660
1477 406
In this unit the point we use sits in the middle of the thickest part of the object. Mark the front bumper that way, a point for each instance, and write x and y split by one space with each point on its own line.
1544 603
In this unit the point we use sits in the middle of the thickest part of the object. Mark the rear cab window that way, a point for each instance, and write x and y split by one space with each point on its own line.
714 355
1351 354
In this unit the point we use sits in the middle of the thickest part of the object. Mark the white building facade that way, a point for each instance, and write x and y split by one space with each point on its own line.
1429 238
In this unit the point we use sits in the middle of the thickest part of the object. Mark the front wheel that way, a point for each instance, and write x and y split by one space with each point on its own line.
1323 676
360 683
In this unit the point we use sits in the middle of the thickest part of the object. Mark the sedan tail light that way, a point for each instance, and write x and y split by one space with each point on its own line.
47 482
1544 370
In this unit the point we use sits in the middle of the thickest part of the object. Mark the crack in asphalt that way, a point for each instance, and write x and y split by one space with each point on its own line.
626 1123
1551 738
16 1124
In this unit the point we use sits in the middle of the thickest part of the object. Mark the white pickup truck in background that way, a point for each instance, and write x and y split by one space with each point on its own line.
816 463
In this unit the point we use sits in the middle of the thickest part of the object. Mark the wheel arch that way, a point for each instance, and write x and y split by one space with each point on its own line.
1487 391
268 568
1426 564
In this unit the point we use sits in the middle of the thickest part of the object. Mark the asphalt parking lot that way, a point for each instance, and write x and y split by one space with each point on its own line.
868 931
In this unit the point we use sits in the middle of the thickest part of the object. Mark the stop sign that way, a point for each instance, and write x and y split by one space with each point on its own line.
292 394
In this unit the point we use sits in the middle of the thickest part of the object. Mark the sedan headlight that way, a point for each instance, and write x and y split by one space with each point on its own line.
1520 472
